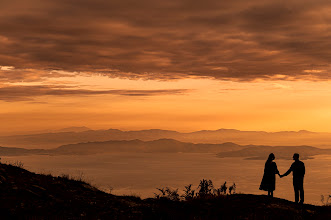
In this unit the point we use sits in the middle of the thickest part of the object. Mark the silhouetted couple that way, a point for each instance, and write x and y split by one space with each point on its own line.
269 177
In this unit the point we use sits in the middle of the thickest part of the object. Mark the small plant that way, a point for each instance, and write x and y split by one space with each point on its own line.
326 201
232 189
65 176
135 195
18 164
80 177
110 189
205 188
188 192
162 195
168 194
222 190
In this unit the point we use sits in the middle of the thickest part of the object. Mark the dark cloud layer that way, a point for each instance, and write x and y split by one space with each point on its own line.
27 93
239 40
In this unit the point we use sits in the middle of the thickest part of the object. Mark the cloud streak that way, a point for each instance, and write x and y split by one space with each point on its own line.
237 40
28 93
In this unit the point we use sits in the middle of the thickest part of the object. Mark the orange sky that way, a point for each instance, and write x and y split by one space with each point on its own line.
175 64
196 104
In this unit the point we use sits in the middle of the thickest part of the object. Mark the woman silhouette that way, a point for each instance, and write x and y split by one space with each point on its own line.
268 182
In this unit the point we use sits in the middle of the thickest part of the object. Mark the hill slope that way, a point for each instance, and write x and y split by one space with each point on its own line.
27 195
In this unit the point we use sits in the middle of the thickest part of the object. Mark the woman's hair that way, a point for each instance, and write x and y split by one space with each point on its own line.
271 157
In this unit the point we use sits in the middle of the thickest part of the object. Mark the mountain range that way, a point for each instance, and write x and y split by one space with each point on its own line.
228 149
75 135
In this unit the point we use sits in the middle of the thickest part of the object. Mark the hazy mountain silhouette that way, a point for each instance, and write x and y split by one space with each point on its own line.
227 149
15 151
72 129
281 152
55 139
68 129
156 146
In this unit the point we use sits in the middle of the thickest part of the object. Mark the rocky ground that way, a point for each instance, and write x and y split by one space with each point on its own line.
26 195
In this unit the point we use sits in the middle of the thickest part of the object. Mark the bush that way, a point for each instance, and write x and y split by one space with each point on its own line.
326 201
205 190
188 192
232 189
168 194
16 163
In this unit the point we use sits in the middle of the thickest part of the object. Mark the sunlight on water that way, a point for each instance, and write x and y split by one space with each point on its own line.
141 173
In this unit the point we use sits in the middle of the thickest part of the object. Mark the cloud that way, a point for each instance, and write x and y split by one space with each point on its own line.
6 68
9 74
155 39
313 71
280 86
29 93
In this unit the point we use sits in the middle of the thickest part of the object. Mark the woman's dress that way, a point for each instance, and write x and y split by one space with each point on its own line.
268 182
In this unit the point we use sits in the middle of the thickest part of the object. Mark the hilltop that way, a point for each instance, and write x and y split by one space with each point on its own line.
26 195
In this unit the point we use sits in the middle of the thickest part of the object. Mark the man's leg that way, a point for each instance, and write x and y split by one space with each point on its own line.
296 193
302 193
302 196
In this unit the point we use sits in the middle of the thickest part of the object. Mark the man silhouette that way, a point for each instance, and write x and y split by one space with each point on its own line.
298 169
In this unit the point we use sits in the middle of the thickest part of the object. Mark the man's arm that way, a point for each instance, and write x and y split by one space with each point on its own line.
288 172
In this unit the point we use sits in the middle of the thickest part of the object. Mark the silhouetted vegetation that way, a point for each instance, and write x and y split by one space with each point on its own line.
205 189
16 163
80 177
188 192
326 201
232 189
168 193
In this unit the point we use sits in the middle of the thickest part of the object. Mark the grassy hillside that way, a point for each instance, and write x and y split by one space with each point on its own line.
26 195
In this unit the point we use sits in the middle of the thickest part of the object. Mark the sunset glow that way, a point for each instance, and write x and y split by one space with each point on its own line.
173 65
101 102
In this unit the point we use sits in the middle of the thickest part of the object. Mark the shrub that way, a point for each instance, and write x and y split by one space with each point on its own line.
223 188
326 201
232 189
168 194
188 192
65 176
205 188
79 177
110 189
17 163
